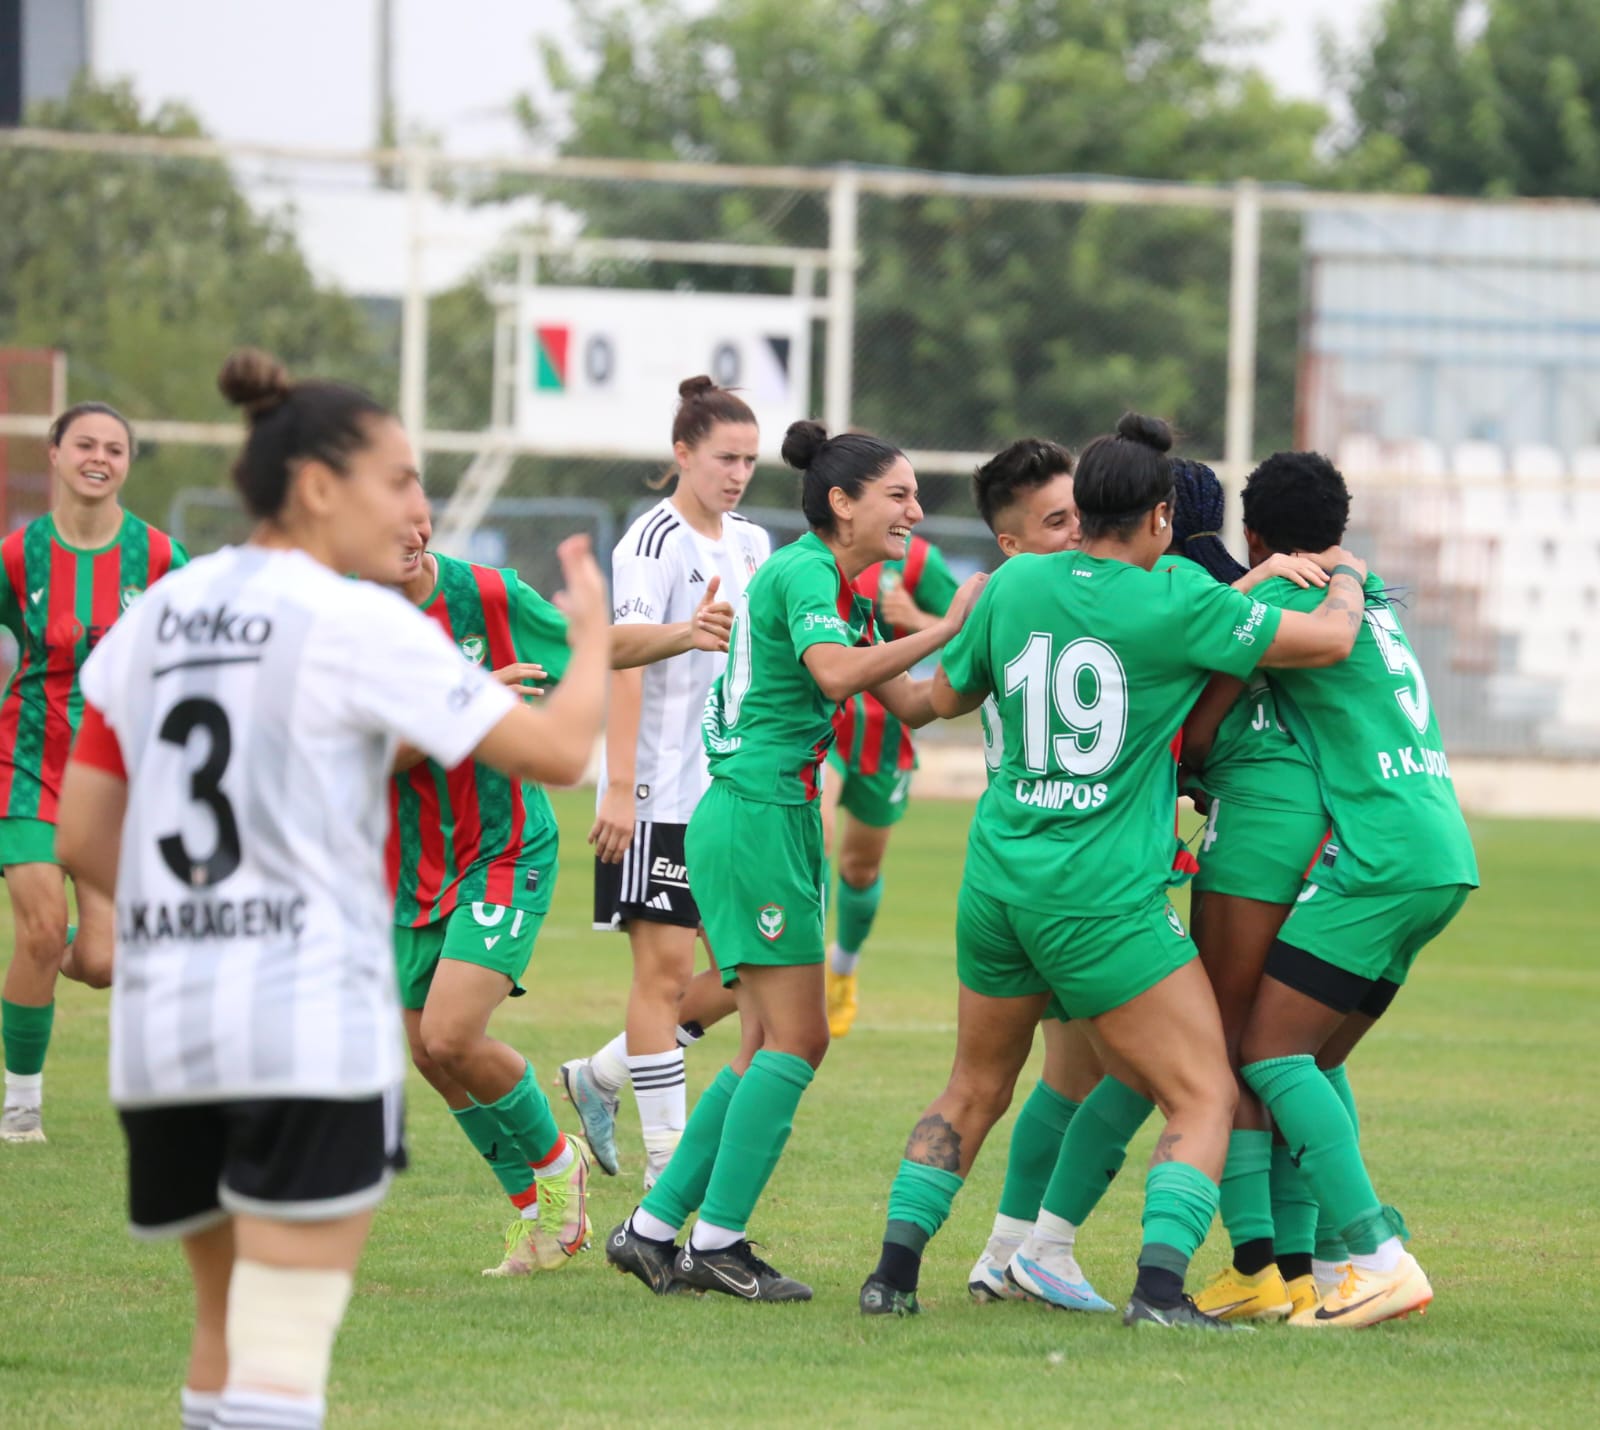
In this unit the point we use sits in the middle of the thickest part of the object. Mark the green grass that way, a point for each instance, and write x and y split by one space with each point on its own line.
1477 1095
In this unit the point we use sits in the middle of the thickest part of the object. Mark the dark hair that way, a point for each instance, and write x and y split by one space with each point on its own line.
848 461
1197 520
1123 475
701 405
1025 466
291 422
58 428
1297 501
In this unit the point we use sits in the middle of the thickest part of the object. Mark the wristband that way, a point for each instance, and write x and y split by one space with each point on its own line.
1342 570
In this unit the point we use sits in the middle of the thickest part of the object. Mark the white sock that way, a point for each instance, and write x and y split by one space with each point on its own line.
651 1226
198 1408
268 1410
706 1237
24 1089
1385 1258
842 963
557 1166
1326 1270
1052 1233
610 1065
658 1088
1009 1229
689 1034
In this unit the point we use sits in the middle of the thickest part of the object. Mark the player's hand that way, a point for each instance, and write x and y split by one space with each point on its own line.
712 622
613 824
521 677
901 611
961 603
582 597
1303 570
1340 556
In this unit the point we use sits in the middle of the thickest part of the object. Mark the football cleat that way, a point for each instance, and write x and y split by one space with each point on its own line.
1054 1277
21 1124
1364 1298
1303 1293
597 1110
842 1002
521 1258
1185 1316
737 1271
651 1261
879 1298
987 1280
1230 1295
563 1228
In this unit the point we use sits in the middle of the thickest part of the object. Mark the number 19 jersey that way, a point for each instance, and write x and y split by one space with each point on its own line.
1093 664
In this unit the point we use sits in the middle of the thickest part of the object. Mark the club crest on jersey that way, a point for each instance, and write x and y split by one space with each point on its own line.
1176 922
770 921
472 647
130 594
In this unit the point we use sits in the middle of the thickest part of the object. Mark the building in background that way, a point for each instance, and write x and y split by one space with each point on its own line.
43 45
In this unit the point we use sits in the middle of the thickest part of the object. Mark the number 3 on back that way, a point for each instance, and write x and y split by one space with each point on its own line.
205 787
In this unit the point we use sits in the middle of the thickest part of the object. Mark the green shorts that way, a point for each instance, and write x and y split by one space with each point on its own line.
1092 964
489 935
27 841
879 800
1371 935
755 871
1257 853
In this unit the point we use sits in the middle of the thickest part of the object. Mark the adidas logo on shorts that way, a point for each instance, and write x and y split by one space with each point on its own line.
662 901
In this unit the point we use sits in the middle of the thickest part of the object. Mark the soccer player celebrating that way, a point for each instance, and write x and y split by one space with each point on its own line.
68 576
471 856
1397 867
680 553
229 786
1067 867
801 644
871 764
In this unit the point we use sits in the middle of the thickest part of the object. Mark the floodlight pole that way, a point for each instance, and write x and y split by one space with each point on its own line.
1243 292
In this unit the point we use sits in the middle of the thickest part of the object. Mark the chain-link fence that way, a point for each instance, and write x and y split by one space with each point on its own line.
1445 354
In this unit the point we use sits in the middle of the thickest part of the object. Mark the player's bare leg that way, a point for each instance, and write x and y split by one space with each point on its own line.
39 920
861 848
89 954
210 1257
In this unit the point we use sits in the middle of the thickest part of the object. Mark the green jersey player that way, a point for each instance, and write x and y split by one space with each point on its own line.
802 643
1396 868
1094 660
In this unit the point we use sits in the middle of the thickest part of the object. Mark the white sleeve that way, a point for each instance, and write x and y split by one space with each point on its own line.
101 677
641 587
405 678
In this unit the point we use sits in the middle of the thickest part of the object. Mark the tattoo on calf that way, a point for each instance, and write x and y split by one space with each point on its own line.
1166 1145
934 1143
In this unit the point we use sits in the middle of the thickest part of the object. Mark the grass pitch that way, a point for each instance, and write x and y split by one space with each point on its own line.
1477 1095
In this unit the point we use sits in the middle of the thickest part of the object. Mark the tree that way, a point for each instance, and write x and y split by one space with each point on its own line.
977 320
148 272
1510 105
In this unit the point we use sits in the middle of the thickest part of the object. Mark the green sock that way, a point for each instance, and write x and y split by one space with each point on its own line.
26 1032
1035 1144
1339 1081
1330 1244
482 1129
1247 1188
857 909
760 1118
1323 1141
1294 1209
1179 1203
919 1202
1094 1148
525 1119
682 1187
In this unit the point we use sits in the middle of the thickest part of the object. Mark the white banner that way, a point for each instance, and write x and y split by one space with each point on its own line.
600 367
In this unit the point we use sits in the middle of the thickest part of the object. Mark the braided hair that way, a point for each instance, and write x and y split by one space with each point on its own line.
1197 520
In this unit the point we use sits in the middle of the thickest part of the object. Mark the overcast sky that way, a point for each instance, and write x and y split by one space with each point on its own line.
302 71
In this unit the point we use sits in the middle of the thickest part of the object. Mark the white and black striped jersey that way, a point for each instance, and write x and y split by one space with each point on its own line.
257 699
659 572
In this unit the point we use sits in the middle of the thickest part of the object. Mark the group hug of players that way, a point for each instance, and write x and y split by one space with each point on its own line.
757 700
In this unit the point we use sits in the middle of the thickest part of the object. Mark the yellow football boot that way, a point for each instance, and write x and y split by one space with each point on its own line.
1303 1293
842 1004
1232 1296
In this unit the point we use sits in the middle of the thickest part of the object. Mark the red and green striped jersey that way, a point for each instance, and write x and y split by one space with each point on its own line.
868 738
470 834
58 601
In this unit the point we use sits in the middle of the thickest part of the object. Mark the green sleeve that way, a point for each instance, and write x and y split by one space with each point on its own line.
965 660
180 557
810 596
936 586
538 629
1224 630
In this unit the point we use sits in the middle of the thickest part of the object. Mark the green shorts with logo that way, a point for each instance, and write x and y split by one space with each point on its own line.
1091 963
27 841
879 800
1254 852
489 935
756 871
1371 935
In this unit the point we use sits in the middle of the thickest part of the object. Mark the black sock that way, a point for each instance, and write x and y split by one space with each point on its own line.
898 1266
1294 1263
1250 1258
1159 1287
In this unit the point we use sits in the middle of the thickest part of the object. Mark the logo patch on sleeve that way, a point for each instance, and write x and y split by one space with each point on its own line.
770 921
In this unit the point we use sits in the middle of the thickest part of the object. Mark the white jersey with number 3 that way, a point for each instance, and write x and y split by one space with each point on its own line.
257 699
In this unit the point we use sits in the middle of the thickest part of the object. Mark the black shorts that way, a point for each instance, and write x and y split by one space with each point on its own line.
651 882
289 1159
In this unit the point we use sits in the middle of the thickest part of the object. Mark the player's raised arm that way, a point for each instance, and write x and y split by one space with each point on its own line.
1325 636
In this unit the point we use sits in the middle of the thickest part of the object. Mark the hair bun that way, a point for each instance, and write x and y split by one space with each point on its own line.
254 380
802 442
1148 431
692 387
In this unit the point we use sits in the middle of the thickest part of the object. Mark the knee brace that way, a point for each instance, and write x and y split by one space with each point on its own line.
281 1326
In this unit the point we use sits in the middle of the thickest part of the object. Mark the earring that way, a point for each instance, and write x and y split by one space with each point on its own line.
1163 525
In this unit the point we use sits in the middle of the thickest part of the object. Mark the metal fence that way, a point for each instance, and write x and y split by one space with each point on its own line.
1446 354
